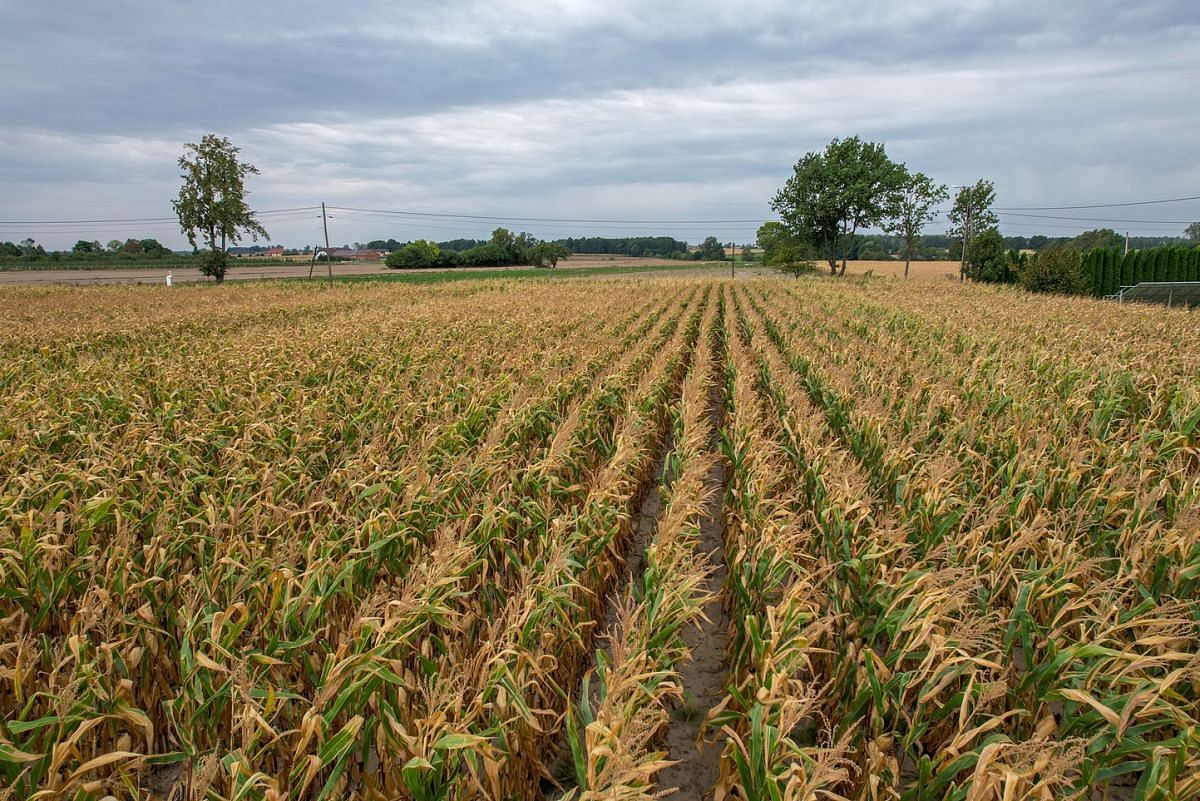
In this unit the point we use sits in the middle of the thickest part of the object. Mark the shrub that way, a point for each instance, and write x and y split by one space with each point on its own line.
421 253
1055 270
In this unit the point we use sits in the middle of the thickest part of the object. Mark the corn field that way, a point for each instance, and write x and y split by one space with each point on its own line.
374 542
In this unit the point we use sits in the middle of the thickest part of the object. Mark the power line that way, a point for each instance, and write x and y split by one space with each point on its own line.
1099 205
580 220
138 219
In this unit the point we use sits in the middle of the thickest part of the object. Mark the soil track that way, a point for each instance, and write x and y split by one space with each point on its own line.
703 676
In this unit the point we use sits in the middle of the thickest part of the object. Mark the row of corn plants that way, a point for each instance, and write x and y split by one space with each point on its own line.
625 701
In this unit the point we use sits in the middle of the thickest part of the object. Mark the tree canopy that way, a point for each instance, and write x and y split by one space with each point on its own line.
833 194
212 200
971 214
914 206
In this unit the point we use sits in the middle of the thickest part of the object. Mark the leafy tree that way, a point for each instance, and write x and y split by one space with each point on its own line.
914 207
831 195
548 254
797 268
83 246
1099 238
987 259
132 247
152 247
711 250
212 201
972 212
1192 232
780 246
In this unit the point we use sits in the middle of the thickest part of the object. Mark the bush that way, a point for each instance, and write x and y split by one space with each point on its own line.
1055 270
797 268
421 253
489 255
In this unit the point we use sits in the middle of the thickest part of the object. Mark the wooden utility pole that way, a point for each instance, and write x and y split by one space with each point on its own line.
328 258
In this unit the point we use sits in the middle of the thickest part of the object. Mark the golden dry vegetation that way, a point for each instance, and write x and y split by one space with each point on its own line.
273 542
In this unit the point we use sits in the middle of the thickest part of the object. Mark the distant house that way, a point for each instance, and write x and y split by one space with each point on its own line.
275 251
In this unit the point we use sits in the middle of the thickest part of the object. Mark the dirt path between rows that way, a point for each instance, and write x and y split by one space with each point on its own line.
703 676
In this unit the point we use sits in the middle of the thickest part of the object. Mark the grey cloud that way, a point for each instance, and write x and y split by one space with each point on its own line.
598 109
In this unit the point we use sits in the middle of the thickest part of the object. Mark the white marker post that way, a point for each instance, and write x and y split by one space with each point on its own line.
170 279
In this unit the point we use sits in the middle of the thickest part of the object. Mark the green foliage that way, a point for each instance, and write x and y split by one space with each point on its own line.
1099 238
780 246
212 200
418 254
832 194
987 259
1056 270
914 206
656 246
1160 265
972 212
797 268
1192 232
711 250
548 254
1128 262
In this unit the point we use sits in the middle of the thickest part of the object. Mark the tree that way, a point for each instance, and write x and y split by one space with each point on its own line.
972 212
152 247
1192 232
780 246
1099 238
212 201
712 250
548 254
914 207
987 259
82 246
831 195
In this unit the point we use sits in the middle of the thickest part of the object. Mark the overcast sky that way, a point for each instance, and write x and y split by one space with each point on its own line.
588 109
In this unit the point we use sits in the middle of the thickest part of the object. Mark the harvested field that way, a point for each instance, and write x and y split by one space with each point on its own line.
498 540
249 271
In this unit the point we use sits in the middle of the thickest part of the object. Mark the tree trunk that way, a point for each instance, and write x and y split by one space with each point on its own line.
906 260
846 250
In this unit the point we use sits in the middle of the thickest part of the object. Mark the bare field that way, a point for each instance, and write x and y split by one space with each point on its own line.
158 275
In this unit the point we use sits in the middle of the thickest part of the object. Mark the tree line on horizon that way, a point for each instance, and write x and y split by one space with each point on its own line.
853 186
